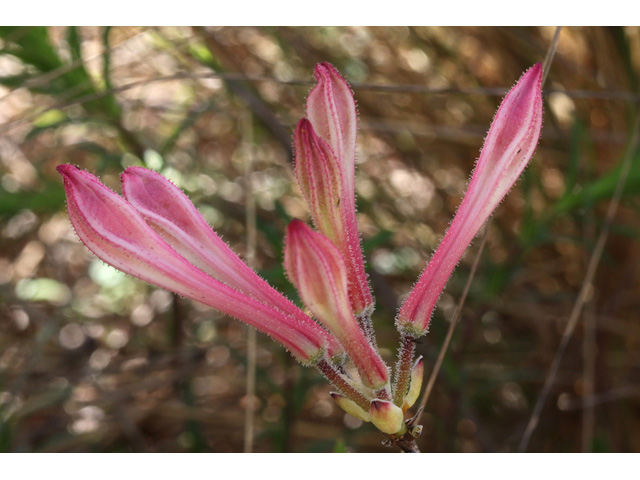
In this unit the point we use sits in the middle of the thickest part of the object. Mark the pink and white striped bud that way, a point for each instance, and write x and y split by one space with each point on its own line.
174 217
316 268
318 176
387 417
508 147
351 407
114 231
325 147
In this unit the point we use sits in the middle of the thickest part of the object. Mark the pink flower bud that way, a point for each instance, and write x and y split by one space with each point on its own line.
315 266
114 231
318 176
174 217
509 145
325 147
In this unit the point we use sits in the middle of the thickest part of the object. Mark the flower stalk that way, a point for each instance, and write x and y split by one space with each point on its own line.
337 379
403 368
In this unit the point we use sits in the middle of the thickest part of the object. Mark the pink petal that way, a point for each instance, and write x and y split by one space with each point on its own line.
509 145
117 234
174 217
316 268
319 179
331 110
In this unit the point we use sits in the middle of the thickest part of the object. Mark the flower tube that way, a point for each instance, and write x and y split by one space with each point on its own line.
179 223
328 151
112 229
317 269
508 147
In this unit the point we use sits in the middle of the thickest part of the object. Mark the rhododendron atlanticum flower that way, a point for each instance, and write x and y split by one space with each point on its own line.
509 145
318 271
325 146
156 234
116 233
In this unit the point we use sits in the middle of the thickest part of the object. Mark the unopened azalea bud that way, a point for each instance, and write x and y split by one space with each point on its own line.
325 148
508 147
316 267
173 216
117 234
387 417
318 176
415 385
351 407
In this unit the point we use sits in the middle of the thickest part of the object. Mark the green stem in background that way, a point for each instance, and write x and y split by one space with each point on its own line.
403 368
332 374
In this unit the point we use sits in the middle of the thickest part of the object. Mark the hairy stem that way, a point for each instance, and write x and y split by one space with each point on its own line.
403 368
332 374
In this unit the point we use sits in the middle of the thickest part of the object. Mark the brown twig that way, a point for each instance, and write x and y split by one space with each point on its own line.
250 208
452 326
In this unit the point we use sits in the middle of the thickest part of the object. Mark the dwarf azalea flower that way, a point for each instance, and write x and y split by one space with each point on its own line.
325 146
317 269
509 145
117 234
174 217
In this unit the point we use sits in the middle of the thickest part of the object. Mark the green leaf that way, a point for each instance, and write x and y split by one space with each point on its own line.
49 118
48 199
602 188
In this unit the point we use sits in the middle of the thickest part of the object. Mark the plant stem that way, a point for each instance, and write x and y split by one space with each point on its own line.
250 208
403 368
332 374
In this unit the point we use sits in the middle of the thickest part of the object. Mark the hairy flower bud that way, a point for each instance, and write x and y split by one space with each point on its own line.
509 145
316 268
174 217
114 231
325 147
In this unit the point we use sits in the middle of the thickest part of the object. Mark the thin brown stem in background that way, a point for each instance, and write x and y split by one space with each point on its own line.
452 327
588 352
250 208
585 290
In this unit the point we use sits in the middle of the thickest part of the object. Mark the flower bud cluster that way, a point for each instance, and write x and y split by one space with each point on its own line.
156 234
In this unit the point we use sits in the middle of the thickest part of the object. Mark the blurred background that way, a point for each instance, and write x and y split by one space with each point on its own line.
93 360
